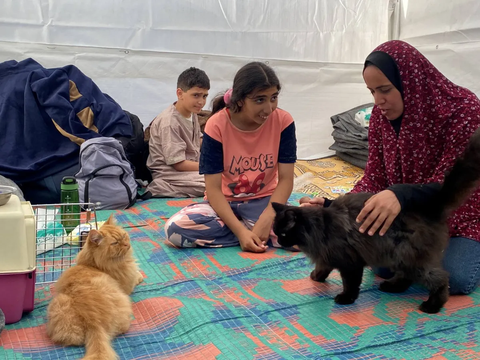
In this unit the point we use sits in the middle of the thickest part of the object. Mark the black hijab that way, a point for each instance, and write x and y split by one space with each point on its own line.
389 68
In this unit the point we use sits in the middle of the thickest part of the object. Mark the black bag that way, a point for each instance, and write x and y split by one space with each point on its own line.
136 149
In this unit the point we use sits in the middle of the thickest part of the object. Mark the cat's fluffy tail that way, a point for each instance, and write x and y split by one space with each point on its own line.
463 178
98 345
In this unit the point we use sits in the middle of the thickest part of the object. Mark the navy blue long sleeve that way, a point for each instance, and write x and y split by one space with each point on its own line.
44 111
410 195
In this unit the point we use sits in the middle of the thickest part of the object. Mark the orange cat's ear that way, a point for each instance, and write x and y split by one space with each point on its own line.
110 221
95 237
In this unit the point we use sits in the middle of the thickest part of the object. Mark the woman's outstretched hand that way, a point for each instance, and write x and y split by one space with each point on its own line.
379 212
306 201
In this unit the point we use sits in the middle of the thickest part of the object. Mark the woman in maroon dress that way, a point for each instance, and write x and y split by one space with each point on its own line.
420 124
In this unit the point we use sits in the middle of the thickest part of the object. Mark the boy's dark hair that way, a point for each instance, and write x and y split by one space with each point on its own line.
254 76
193 77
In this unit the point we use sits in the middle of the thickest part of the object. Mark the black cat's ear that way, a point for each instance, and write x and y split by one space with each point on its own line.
290 220
278 207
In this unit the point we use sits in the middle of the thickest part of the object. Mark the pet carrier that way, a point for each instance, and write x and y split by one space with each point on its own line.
35 249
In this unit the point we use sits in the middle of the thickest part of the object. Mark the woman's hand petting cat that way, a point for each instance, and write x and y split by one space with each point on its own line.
249 241
379 212
306 201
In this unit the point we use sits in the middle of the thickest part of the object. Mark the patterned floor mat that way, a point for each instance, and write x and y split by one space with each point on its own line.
226 304
332 176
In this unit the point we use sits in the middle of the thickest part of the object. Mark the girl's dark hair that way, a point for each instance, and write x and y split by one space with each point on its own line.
255 76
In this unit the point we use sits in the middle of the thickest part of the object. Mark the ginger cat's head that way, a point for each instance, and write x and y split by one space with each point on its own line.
108 244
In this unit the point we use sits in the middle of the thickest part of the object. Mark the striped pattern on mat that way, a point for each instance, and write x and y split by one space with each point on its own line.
332 176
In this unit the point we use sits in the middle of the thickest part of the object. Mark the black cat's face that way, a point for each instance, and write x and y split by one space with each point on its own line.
284 225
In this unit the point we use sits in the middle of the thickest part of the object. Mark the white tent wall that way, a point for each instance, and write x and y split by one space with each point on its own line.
448 34
135 50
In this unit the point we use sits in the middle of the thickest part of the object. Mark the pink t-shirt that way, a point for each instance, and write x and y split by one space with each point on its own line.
248 160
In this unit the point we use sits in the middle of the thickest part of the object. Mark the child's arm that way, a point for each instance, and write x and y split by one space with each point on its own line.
186 165
248 240
280 195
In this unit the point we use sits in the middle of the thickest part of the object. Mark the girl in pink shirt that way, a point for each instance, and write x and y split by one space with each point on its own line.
247 157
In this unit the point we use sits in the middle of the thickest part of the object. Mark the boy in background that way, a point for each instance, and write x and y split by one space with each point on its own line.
175 139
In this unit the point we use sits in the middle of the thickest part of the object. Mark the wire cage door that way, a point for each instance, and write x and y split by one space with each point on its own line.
61 231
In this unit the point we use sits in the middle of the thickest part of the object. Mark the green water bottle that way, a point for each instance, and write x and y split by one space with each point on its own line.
70 208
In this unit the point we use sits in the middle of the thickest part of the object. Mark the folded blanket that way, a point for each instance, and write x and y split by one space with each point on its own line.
360 153
346 122
351 136
351 143
352 159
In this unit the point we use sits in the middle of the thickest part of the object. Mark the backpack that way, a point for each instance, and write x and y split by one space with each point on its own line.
136 149
105 175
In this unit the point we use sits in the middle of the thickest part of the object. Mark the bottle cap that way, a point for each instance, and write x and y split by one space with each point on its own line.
69 183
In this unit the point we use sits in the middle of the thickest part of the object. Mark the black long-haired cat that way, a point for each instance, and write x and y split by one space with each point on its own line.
412 247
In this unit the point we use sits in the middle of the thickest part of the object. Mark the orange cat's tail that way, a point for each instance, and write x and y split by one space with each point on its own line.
98 345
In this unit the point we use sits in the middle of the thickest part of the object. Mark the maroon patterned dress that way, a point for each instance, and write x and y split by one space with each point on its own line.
439 118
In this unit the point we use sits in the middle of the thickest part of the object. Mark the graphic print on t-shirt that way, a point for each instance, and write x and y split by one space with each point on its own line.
244 166
254 154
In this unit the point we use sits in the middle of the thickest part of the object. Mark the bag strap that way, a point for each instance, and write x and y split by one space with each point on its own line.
145 196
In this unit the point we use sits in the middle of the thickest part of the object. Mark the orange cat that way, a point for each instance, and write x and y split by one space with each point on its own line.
92 303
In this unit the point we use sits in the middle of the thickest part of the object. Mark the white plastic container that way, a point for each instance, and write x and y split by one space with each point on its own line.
17 258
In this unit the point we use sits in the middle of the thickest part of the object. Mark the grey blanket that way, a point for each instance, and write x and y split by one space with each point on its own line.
361 162
362 153
351 138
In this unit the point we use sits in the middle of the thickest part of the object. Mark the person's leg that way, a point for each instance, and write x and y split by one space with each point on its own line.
199 225
462 261
250 210
184 187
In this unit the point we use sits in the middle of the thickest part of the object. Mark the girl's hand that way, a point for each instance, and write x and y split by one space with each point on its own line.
249 241
380 210
263 227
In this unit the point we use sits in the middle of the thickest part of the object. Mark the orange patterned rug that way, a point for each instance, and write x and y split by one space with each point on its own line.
331 176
